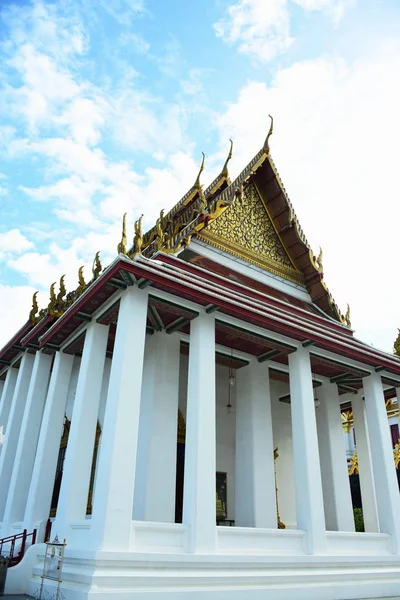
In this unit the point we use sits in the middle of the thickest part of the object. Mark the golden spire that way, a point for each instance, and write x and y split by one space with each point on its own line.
224 171
62 291
396 345
197 182
138 239
122 245
270 132
347 317
96 267
35 308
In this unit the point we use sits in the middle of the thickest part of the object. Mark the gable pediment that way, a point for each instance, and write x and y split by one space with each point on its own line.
246 230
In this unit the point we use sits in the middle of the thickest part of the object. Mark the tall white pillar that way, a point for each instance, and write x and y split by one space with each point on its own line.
335 479
1 388
307 471
14 427
159 425
199 499
113 498
28 439
255 501
367 487
386 486
74 489
6 398
146 408
42 481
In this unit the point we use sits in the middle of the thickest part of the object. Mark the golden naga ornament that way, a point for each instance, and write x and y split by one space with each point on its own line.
224 171
97 266
62 291
122 245
82 283
197 183
138 238
160 235
347 320
270 132
34 309
53 299
396 345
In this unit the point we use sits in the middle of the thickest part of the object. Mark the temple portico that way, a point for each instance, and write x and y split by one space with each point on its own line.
180 421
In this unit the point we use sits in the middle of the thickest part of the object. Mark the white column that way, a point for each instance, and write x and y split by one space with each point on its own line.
42 481
307 472
335 479
1 388
255 502
367 487
113 498
199 500
28 439
74 489
14 426
385 478
160 429
6 398
146 407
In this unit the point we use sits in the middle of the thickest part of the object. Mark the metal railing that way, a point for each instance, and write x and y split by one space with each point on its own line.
14 546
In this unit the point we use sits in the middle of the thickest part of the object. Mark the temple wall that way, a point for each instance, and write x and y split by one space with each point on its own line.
72 387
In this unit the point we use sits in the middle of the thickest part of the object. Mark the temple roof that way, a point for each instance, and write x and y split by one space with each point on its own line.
251 218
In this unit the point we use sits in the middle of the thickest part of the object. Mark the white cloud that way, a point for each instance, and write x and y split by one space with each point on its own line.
15 304
262 28
13 242
335 146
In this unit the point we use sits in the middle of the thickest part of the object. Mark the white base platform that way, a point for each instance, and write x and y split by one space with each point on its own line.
116 576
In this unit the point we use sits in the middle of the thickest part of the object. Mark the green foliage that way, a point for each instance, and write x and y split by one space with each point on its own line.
358 519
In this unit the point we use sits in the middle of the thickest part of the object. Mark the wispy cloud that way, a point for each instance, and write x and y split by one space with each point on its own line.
262 29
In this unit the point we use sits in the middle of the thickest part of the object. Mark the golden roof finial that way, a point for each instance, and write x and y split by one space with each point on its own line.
81 279
347 316
82 282
197 182
138 238
270 132
396 345
96 267
224 171
34 309
53 298
160 231
319 260
122 245
62 291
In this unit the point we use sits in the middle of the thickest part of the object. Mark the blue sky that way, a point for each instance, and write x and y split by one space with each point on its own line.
106 106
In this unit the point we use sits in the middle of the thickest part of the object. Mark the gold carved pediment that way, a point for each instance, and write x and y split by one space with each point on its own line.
246 230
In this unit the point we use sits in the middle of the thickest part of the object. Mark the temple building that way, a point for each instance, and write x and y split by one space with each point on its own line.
179 417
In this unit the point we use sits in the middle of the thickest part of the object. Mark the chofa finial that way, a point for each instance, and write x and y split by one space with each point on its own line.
197 182
347 317
122 245
138 239
34 309
270 132
396 345
224 171
96 267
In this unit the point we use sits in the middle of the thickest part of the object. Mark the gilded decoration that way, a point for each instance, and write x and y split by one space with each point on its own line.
353 466
396 453
246 230
396 345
